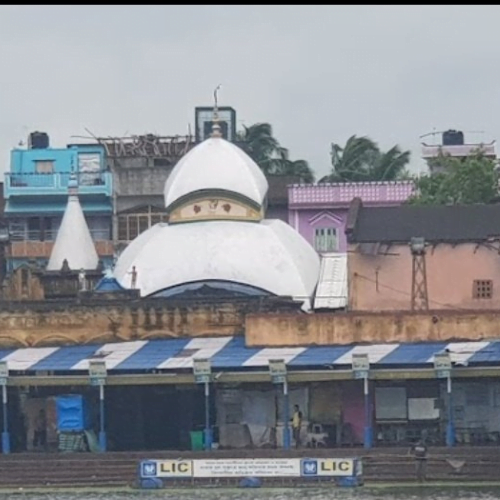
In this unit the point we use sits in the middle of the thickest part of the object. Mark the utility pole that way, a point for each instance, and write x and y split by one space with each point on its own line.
419 295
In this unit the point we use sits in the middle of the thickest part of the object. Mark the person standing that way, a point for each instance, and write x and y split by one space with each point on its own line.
133 279
296 425
419 450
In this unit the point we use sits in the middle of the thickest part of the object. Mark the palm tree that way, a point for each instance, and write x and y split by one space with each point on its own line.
360 160
391 165
298 168
273 159
258 142
351 163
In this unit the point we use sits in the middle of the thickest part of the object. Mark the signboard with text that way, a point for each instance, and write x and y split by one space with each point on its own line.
97 372
328 467
277 370
281 467
258 467
360 365
202 371
442 365
4 372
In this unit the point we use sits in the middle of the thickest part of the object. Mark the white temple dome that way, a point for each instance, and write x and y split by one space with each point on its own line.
216 165
269 255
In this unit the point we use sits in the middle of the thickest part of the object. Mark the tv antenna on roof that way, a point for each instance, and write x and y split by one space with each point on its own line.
433 133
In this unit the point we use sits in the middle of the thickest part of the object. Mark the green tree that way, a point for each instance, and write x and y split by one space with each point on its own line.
391 165
299 168
361 160
259 143
471 180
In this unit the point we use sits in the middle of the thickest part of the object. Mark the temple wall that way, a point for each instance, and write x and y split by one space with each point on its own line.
376 327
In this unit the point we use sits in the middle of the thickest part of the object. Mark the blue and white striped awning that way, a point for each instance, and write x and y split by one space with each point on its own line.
230 353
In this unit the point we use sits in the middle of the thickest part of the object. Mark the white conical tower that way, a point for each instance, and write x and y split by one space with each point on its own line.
74 242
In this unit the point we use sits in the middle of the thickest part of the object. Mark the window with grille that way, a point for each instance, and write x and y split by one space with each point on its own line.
44 166
325 239
18 229
89 166
482 289
131 225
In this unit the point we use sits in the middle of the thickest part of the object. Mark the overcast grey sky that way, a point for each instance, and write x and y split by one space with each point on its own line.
317 73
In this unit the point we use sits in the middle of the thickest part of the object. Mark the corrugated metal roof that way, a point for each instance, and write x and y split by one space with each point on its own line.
228 353
441 223
331 292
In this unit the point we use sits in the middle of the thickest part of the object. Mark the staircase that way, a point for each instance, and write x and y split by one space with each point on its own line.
120 469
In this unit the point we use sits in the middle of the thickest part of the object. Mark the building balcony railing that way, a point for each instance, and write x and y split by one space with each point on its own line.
31 249
341 194
19 184
51 234
457 151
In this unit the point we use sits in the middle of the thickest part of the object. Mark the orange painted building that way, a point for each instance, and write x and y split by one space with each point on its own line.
462 256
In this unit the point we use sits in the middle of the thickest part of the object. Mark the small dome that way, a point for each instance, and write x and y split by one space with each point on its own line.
217 165
269 255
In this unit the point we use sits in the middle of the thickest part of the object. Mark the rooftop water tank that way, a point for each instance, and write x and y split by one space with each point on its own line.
38 140
453 138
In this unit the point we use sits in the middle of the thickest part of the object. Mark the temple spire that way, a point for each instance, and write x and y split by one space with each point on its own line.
216 130
74 242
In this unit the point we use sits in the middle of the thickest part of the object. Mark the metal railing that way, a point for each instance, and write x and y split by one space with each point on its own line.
50 235
87 181
37 249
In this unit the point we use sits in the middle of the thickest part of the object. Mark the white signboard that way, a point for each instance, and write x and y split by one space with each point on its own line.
258 467
202 370
328 467
442 365
97 372
202 367
360 362
360 365
280 467
4 372
277 369
167 468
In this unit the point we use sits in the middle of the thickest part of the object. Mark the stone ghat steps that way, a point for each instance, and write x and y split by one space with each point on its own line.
43 480
70 464
120 469
465 453
65 484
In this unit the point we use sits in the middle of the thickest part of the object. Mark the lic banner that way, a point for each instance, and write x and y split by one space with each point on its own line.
345 471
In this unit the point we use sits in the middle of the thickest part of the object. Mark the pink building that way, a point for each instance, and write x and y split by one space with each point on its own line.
319 211
457 265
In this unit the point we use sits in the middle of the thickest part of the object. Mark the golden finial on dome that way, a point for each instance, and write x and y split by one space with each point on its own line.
216 130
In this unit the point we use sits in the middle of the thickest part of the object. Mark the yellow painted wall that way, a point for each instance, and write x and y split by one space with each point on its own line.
347 328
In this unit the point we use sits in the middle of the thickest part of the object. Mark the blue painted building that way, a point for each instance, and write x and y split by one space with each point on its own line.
36 192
